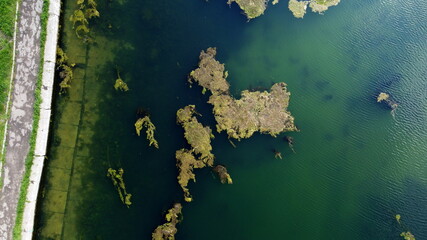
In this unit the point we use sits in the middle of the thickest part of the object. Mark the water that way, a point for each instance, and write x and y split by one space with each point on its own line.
355 165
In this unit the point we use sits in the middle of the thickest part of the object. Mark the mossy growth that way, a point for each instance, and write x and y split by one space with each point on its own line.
222 172
168 230
116 177
120 85
145 122
258 111
65 70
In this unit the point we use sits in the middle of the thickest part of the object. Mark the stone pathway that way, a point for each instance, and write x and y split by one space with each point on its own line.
21 115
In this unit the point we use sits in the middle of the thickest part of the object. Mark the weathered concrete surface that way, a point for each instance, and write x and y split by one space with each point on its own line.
44 121
21 115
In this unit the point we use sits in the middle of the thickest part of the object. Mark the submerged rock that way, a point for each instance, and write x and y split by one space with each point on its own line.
168 230
256 111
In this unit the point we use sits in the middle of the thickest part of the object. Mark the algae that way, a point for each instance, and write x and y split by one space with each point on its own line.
200 156
255 8
223 174
257 111
251 8
168 230
186 162
80 18
145 122
198 136
384 97
116 177
65 69
120 84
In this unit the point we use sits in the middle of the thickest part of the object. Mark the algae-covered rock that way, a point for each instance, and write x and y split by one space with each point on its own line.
116 177
222 172
168 230
145 122
198 136
251 8
264 112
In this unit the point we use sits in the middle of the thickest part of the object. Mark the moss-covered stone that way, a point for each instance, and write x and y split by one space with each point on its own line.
168 230
264 112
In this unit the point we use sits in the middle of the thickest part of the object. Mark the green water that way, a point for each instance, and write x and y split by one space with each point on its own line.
355 165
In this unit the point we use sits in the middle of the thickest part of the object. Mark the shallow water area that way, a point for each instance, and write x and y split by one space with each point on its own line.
355 166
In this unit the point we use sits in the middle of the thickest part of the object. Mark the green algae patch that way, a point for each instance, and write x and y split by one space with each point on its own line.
168 230
116 177
120 85
298 8
200 156
256 111
65 69
255 8
145 122
251 8
198 136
223 174
86 10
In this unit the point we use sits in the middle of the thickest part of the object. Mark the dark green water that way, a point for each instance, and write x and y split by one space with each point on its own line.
355 165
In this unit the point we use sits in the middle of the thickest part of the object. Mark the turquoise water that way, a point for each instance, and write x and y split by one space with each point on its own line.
355 167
